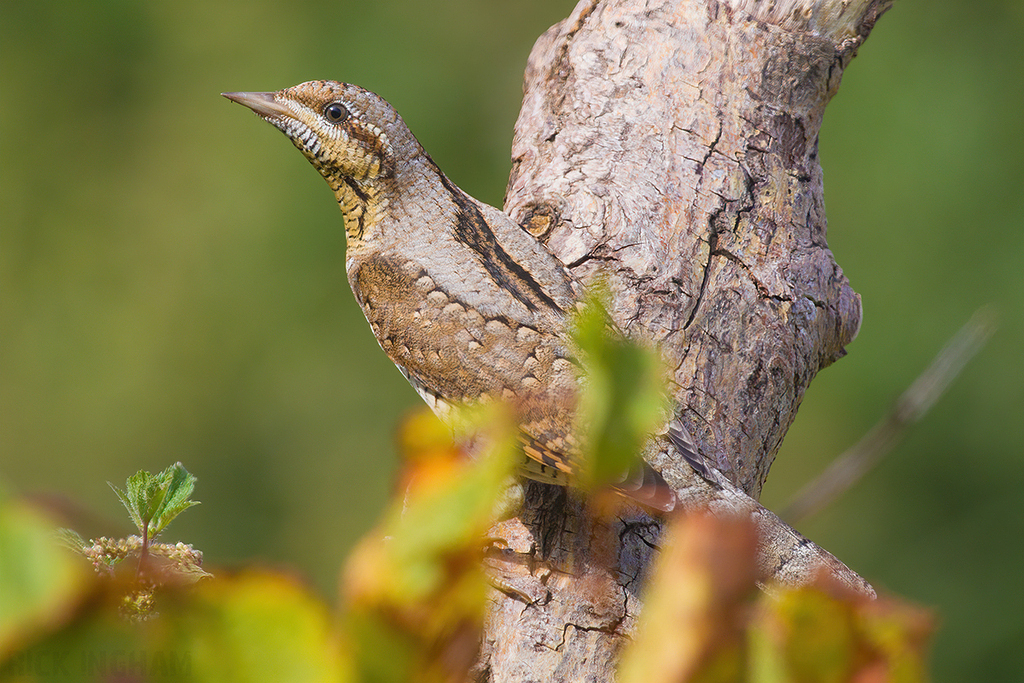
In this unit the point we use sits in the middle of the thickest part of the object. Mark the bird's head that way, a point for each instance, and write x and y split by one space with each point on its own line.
354 138
346 132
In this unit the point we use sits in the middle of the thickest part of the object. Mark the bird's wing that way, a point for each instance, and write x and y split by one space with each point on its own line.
495 358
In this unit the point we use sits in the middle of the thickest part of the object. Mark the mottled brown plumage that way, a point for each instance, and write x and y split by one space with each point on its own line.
467 304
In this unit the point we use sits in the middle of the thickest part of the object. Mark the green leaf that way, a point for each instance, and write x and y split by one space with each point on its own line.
129 502
40 582
813 633
696 605
623 397
415 588
153 501
176 484
255 626
447 517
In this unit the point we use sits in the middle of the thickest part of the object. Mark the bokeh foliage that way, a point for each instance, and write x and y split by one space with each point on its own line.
415 595
172 280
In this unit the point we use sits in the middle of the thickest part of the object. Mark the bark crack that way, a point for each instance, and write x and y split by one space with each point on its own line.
706 277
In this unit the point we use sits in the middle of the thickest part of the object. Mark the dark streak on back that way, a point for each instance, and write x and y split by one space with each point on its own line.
472 230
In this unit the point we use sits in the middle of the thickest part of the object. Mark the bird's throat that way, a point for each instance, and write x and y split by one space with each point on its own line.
363 203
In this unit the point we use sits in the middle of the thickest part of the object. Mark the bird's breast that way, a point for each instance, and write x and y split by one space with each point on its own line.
450 348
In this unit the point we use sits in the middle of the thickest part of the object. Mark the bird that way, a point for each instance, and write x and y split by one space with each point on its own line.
469 306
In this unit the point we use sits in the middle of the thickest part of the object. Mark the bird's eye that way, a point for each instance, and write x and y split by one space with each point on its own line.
336 112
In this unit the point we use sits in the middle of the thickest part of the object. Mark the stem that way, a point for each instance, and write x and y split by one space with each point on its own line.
144 552
851 466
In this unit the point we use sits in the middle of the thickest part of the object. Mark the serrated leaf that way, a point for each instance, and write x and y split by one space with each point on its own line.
128 501
153 501
175 485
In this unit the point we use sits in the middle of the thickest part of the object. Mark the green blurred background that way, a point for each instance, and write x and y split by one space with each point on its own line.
173 282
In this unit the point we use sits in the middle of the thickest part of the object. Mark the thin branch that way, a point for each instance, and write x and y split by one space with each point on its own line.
851 466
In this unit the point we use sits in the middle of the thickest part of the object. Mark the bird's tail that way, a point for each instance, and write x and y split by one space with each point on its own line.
645 486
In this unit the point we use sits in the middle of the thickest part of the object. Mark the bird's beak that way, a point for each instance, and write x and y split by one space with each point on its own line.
263 103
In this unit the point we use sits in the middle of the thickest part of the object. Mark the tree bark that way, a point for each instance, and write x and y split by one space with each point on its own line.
670 147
